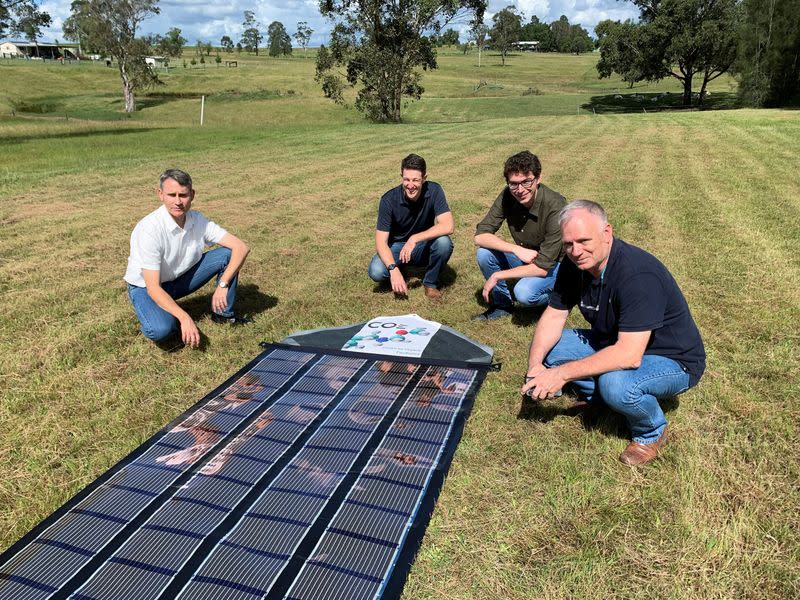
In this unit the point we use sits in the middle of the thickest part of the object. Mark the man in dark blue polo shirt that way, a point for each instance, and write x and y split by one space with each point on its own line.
414 228
643 344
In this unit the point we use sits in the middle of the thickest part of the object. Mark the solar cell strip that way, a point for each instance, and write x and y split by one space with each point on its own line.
258 572
102 582
61 576
308 585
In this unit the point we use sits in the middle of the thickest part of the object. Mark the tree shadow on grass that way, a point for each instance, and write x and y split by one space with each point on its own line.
593 418
658 102
77 134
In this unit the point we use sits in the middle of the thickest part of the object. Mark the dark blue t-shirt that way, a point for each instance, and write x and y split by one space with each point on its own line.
635 293
403 218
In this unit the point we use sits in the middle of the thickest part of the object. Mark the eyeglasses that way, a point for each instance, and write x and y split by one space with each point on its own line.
525 183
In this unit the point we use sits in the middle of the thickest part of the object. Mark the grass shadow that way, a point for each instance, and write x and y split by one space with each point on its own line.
249 300
658 102
593 418
77 134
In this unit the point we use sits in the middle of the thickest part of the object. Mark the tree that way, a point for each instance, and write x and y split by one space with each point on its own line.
29 22
506 31
684 38
478 33
768 62
303 36
109 26
251 36
560 34
381 45
278 39
171 44
537 31
449 38
579 40
226 43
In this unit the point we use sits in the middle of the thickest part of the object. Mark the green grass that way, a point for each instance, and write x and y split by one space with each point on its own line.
536 504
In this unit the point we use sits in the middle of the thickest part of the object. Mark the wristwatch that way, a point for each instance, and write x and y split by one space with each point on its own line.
223 284
392 266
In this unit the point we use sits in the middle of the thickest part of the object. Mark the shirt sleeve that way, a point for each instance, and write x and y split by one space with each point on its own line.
213 233
440 202
384 214
642 304
493 219
567 286
550 248
149 248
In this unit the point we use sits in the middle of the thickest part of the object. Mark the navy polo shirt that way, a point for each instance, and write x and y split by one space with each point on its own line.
402 218
635 293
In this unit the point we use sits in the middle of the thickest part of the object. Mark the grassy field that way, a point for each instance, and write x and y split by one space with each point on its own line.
536 504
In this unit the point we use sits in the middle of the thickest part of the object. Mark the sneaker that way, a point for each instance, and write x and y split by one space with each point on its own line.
232 320
492 313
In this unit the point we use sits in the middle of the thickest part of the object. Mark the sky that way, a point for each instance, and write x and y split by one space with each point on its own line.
208 21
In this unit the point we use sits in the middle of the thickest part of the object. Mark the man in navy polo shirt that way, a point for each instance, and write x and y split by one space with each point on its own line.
414 228
643 344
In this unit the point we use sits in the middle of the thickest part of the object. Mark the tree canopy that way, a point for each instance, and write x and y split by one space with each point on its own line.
380 46
109 27
278 40
23 17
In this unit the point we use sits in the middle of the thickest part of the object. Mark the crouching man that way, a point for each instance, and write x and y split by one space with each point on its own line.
643 344
167 262
414 228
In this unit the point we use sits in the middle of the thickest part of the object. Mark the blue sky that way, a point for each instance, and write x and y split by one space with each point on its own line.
209 21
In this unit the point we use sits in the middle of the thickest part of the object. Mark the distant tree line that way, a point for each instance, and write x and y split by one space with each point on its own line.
696 41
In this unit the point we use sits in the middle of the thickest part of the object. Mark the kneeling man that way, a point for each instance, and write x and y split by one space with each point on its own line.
167 262
530 209
414 227
643 344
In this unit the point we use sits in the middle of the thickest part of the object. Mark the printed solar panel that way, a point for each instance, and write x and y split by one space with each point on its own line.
302 476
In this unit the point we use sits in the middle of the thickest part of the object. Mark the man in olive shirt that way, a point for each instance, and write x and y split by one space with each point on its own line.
531 210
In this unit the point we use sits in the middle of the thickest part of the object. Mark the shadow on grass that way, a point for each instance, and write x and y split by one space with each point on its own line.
414 275
77 134
599 418
658 102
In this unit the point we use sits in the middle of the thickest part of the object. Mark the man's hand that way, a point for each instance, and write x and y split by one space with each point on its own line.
489 286
542 383
398 282
525 255
406 250
190 334
219 301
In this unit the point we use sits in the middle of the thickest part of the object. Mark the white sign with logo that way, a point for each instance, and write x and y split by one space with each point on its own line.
406 335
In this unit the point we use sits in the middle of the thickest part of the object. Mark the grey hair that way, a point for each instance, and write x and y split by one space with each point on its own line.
181 177
588 205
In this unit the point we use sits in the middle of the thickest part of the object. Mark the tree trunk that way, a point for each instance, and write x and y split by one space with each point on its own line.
127 88
702 95
687 89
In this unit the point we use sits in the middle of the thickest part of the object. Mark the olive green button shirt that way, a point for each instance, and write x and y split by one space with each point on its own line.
535 228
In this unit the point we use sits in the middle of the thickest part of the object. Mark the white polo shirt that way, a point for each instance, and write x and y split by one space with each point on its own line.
158 243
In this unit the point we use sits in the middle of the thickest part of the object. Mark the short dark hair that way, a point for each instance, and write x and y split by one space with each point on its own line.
181 177
522 162
414 162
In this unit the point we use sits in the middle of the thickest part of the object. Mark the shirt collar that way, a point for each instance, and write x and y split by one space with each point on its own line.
169 222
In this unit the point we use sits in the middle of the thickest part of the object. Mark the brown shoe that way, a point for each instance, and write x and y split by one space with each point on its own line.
433 293
640 454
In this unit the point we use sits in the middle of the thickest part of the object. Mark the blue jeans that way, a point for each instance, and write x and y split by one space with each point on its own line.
529 291
634 393
432 254
157 324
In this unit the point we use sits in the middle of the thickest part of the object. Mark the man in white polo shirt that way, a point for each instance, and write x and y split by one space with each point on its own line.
167 262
